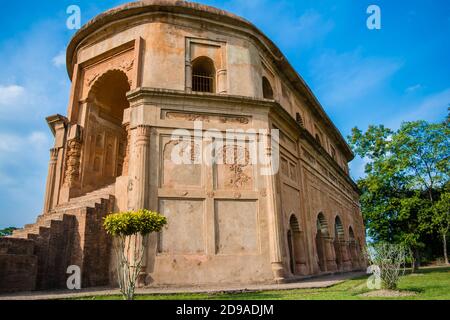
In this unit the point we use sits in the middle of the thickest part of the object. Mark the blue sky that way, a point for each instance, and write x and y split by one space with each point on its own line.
361 76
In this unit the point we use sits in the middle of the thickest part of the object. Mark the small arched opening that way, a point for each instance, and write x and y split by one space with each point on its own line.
203 75
267 89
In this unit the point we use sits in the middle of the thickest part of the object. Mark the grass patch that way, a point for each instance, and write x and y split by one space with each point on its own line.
430 284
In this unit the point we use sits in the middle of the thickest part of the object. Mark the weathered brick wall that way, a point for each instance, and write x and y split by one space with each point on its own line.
91 247
41 261
18 265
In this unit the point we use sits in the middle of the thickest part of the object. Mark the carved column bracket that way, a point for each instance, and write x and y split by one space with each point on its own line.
73 162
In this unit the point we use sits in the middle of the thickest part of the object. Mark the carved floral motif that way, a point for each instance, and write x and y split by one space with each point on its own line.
72 162
240 159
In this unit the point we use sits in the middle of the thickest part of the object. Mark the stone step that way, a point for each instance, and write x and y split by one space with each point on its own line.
87 200
19 233
45 221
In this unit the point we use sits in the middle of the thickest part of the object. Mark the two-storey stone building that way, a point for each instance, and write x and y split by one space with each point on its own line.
146 68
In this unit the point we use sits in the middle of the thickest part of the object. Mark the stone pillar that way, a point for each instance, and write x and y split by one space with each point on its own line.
354 258
49 188
274 216
58 126
142 154
346 261
300 253
222 81
188 83
330 254
141 185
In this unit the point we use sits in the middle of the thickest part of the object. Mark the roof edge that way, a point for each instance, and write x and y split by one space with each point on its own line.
177 6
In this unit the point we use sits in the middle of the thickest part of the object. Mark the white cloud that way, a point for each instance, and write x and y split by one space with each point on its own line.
358 167
342 78
413 88
430 108
60 59
12 143
11 94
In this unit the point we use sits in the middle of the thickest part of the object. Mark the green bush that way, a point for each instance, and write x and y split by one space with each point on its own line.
130 230
7 231
129 223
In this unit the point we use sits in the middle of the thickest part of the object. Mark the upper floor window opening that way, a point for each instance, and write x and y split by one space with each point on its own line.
203 75
333 152
299 119
318 139
267 89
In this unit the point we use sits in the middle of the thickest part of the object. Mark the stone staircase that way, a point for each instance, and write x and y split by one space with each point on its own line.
57 215
72 234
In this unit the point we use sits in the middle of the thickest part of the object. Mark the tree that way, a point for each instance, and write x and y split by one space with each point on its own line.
7 231
130 230
441 220
405 171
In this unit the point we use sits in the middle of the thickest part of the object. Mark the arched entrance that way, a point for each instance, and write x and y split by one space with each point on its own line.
338 239
106 138
297 262
322 233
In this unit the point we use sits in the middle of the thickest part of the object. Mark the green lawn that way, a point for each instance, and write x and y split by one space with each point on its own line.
430 283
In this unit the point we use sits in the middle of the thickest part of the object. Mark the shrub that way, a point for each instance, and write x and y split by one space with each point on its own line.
391 259
134 222
130 230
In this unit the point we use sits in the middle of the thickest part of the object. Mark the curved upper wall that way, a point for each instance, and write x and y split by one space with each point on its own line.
135 10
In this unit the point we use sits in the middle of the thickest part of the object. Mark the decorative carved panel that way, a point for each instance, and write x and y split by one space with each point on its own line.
205 117
174 173
236 170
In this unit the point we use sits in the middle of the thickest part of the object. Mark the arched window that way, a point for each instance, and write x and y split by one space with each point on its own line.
203 75
267 89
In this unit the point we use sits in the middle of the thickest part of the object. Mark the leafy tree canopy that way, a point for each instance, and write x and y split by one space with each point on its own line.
7 231
404 194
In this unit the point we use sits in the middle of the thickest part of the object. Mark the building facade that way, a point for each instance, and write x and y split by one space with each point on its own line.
145 69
